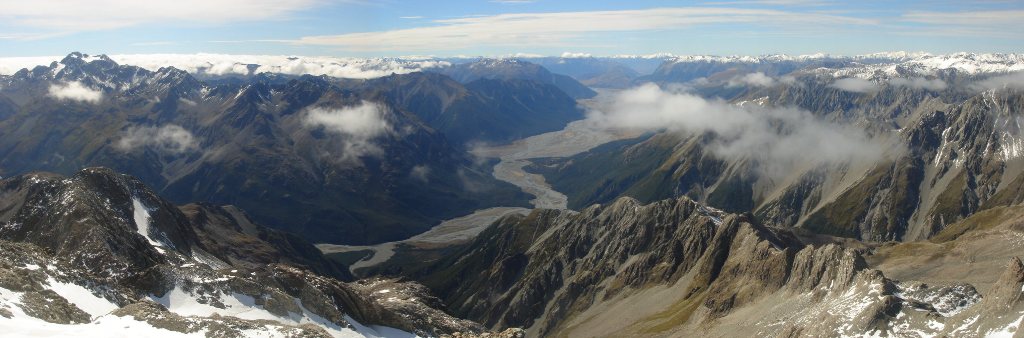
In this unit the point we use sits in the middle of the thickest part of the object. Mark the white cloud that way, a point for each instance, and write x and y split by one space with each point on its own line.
420 172
559 29
967 18
758 79
170 138
919 83
56 17
357 126
1012 80
75 91
856 85
11 65
779 138
988 24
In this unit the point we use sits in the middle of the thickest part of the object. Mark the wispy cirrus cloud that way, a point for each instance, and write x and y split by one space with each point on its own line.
46 18
773 2
1001 23
559 28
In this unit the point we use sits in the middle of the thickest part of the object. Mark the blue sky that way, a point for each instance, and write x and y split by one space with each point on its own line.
502 27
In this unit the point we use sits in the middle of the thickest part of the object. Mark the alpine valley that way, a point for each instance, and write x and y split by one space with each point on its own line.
660 195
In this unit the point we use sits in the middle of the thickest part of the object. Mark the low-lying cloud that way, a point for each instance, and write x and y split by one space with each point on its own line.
421 173
758 79
919 83
357 126
75 91
779 138
168 139
1012 81
855 85
859 85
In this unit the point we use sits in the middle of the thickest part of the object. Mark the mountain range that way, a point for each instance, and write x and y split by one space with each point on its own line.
712 196
253 143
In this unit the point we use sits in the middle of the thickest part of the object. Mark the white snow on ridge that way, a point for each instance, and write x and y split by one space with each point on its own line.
141 214
243 306
224 64
888 63
84 299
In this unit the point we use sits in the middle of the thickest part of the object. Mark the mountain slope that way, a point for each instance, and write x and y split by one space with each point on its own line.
100 248
514 69
282 148
484 110
958 156
675 267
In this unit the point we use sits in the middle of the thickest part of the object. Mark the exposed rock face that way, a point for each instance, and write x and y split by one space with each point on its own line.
676 267
100 245
961 154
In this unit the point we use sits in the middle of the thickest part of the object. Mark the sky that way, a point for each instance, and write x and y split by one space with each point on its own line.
365 28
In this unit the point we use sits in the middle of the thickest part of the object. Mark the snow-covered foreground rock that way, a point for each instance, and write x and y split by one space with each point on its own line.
99 255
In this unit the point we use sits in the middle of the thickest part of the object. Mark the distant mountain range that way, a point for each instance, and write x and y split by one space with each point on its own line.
956 119
783 196
331 160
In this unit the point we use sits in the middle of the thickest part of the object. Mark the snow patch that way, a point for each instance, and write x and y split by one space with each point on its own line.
83 298
142 221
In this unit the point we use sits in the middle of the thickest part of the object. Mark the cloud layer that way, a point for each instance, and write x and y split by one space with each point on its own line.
75 91
919 83
859 85
168 139
58 17
779 138
856 85
1012 81
559 28
758 79
357 127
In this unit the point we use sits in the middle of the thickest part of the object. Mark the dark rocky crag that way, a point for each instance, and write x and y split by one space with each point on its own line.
677 267
960 154
110 234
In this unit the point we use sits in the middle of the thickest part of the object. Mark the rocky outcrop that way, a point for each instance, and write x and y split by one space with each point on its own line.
680 268
98 245
958 151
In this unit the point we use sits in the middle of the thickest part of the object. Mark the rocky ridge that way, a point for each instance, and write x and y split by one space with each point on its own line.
100 248
677 267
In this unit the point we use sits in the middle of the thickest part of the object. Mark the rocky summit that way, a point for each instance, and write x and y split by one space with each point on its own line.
99 252
678 268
